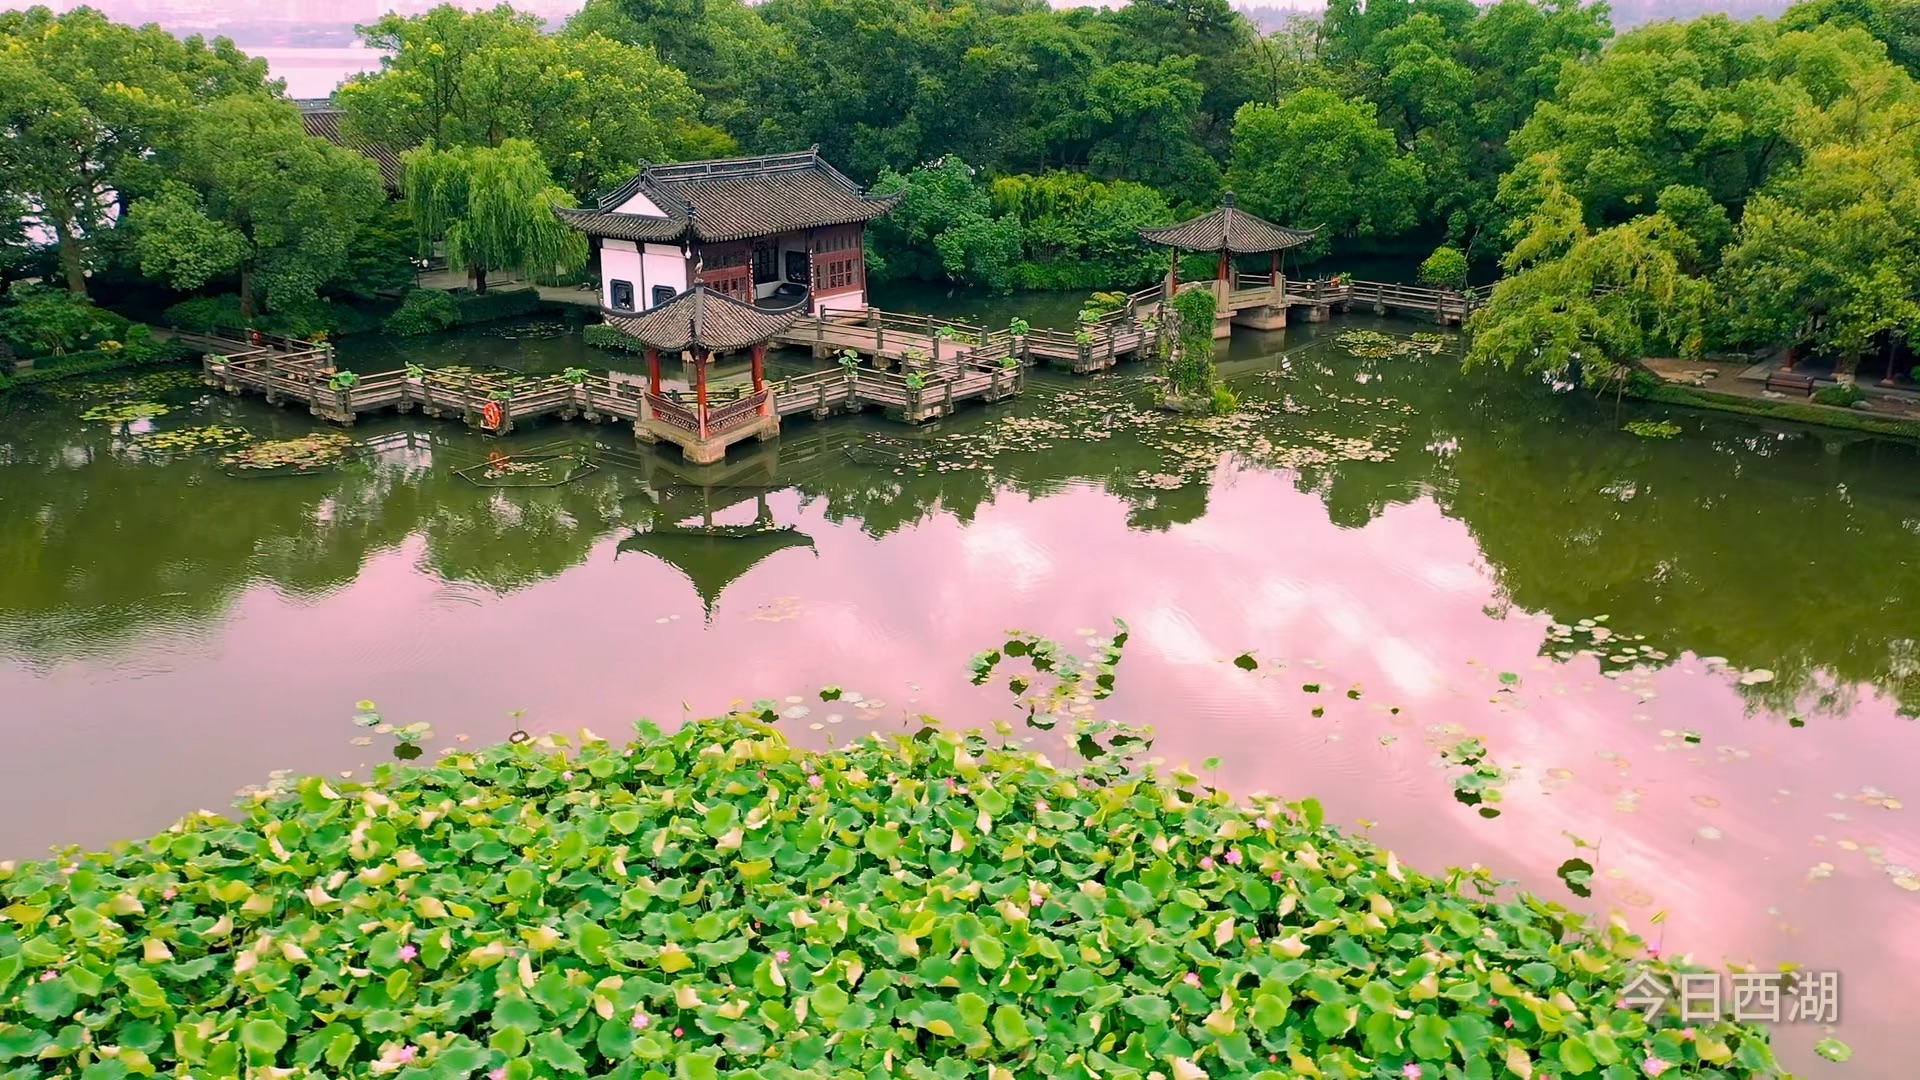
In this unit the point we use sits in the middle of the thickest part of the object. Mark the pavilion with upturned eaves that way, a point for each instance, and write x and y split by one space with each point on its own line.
701 323
1254 300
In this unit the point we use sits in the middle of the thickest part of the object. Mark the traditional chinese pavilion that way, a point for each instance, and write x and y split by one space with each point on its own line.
701 323
777 229
1230 232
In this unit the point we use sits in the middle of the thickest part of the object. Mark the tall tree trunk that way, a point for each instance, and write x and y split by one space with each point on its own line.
72 255
246 292
480 279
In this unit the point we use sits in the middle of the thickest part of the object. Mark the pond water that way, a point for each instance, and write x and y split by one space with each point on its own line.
1692 658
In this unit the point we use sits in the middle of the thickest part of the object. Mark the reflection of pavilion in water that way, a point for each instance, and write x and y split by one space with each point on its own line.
684 501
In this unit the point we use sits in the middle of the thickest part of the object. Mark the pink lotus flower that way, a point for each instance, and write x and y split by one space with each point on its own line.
408 952
1277 876
400 1055
780 955
1262 823
1192 978
1410 1071
1509 1023
677 1032
498 1074
1206 862
48 976
169 893
641 1020
1233 857
568 775
1040 804
1686 1033
1654 1066
813 780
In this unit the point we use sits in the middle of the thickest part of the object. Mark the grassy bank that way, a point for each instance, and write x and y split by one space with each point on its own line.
1801 411
717 900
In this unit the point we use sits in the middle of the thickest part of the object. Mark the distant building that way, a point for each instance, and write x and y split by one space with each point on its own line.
774 231
324 121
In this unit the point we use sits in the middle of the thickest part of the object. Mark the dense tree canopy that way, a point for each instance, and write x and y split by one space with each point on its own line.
255 197
90 110
594 107
1324 162
1717 185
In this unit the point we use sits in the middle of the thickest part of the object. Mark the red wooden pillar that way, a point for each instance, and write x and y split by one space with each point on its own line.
653 370
700 387
759 361
1222 275
1173 271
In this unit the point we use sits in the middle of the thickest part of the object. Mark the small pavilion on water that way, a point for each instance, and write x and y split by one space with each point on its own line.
701 323
1230 233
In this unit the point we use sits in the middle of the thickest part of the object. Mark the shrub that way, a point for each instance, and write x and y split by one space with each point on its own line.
717 901
1842 395
424 311
1224 401
1446 268
140 350
1190 369
310 319
606 337
204 314
487 307
40 321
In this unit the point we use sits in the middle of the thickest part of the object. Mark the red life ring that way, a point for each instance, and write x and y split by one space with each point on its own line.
493 415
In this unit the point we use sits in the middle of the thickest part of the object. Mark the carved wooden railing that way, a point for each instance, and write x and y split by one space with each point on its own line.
668 411
733 414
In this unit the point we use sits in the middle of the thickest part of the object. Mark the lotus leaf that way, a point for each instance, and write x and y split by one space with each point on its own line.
126 412
302 454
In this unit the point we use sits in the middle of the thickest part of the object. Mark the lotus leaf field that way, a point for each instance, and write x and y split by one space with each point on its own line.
718 901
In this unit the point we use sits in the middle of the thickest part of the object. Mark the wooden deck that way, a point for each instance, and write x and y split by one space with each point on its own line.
287 371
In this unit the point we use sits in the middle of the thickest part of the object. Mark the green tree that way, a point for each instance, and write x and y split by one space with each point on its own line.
492 206
943 229
1576 297
1318 160
1831 253
593 106
88 108
1080 233
1895 23
730 55
255 195
1712 104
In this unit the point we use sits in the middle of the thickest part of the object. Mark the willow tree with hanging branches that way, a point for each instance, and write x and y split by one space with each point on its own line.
493 208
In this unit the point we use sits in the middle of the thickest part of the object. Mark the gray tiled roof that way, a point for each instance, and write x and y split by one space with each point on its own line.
702 319
1230 229
732 199
323 121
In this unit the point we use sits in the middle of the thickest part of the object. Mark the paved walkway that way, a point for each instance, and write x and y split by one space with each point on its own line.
1749 381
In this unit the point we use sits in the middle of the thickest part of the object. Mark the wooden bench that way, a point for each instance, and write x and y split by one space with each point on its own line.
1790 381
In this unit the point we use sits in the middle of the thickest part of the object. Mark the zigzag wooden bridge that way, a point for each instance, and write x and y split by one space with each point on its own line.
289 371
895 340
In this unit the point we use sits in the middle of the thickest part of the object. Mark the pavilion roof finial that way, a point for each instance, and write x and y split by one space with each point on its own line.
1226 198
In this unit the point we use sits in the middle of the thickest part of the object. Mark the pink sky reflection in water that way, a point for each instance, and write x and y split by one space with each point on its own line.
1397 608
